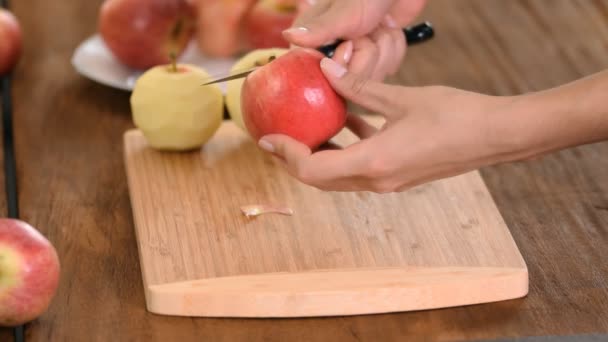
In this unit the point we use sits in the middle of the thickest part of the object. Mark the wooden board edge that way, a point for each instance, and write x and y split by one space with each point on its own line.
132 200
520 258
338 292
128 133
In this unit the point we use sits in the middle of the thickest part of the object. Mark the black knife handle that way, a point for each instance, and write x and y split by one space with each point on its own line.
413 35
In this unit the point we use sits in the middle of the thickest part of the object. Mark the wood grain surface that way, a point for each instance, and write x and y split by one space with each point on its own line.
73 186
338 254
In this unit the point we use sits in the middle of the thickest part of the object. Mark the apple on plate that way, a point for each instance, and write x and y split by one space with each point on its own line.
142 33
173 110
234 87
267 20
10 41
219 26
29 272
291 96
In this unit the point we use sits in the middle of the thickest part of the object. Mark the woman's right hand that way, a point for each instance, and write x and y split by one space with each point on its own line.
374 44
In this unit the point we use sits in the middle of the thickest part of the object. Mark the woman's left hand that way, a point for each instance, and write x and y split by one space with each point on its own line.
430 133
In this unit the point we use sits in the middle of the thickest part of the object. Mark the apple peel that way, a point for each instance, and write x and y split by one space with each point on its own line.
262 209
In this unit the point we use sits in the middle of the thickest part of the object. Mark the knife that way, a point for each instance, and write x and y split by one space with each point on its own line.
413 35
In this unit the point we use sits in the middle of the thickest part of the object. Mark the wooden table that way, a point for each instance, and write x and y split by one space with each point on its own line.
72 182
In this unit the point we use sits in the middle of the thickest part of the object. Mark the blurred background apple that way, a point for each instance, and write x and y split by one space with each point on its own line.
219 26
10 41
142 33
267 20
29 272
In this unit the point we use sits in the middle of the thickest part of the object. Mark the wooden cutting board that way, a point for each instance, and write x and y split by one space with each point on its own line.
439 245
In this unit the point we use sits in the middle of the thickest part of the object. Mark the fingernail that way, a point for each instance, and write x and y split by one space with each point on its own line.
348 53
390 22
266 145
333 68
296 30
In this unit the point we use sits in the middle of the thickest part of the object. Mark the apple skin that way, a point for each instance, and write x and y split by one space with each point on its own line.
29 272
219 26
10 41
291 96
234 87
267 20
143 33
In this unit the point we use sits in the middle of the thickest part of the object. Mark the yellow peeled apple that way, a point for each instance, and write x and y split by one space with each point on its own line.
172 108
233 87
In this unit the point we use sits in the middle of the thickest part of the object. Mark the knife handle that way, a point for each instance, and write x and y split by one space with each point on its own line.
413 35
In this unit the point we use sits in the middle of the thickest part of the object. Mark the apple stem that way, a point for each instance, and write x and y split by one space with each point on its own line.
173 58
264 62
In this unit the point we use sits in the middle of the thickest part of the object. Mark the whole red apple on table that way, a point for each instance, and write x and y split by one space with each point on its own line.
10 41
291 96
29 272
143 33
267 20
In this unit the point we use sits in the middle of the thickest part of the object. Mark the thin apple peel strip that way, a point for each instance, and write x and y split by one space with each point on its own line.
261 209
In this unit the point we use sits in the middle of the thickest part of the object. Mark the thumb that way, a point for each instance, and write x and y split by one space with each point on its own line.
327 21
290 151
375 96
405 11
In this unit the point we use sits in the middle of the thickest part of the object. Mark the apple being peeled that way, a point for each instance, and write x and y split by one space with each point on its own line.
234 87
291 96
267 20
143 33
10 41
29 272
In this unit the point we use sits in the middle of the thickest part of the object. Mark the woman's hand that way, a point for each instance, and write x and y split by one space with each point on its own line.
430 133
375 44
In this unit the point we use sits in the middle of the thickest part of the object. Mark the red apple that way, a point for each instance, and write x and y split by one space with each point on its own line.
144 33
291 96
10 41
266 22
219 26
29 272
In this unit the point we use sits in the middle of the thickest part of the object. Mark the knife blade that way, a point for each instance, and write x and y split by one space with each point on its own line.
413 35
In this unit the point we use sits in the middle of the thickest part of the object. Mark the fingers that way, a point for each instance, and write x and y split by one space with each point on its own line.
321 169
390 44
344 53
360 127
365 57
397 52
289 150
404 12
321 24
326 21
389 100
382 39
375 56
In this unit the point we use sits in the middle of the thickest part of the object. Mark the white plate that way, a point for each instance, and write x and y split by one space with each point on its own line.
94 60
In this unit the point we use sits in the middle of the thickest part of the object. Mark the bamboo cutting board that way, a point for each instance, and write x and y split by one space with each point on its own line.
439 245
